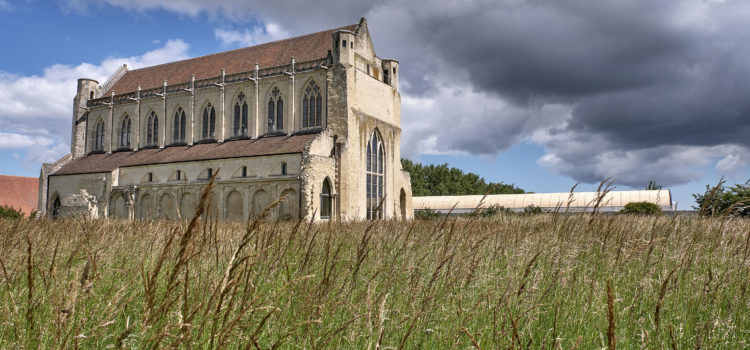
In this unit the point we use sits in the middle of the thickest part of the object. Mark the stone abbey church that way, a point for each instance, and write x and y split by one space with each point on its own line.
313 119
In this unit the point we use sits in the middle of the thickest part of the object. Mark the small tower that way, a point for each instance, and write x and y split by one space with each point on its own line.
390 73
86 91
343 47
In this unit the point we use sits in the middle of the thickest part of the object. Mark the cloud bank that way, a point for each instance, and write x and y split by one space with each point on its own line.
634 89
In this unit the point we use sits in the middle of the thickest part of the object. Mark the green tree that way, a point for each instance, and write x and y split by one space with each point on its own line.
7 212
641 208
442 180
720 200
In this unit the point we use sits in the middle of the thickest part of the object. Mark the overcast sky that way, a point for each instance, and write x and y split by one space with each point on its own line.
542 94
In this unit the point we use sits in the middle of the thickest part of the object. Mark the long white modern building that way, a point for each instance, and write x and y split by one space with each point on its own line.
570 201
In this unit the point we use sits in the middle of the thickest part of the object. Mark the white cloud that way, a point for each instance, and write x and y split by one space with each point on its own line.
247 37
37 113
15 141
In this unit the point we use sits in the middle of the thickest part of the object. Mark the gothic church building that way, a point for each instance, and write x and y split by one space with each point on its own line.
313 119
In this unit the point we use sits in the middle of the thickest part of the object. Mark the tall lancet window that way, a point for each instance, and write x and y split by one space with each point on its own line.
152 129
209 121
125 132
240 115
275 111
312 106
179 125
99 135
375 176
325 200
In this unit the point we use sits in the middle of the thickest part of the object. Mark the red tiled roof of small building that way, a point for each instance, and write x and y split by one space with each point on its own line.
302 48
19 192
100 162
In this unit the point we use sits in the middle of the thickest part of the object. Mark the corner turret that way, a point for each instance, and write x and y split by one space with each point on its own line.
86 91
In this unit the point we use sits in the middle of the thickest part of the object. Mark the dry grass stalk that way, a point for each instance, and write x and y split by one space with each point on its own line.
611 343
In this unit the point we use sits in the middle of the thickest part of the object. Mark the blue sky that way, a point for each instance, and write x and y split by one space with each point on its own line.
617 90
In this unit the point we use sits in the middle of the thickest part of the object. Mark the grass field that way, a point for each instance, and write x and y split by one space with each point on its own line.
545 281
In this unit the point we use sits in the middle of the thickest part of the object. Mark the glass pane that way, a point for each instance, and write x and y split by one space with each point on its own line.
279 114
305 123
318 111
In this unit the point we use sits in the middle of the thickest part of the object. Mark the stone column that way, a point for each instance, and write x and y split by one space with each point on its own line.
291 125
257 119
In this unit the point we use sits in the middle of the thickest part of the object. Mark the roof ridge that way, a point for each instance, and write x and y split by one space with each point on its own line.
22 177
242 48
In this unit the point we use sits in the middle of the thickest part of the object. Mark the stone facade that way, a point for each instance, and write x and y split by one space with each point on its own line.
293 131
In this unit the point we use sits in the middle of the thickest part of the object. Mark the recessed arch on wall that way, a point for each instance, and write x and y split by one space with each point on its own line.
167 207
187 206
261 201
145 207
117 208
211 210
235 207
289 207
55 206
243 171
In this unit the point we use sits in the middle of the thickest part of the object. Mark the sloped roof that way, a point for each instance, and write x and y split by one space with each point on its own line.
19 192
578 200
277 53
100 162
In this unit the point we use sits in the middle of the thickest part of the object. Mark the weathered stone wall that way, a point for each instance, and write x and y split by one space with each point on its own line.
84 194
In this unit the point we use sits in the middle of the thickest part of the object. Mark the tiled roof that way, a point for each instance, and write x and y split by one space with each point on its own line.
100 162
19 192
277 53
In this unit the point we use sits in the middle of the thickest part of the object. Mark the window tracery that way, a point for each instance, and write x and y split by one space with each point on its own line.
240 115
99 135
275 111
312 106
375 176
209 121
125 132
152 132
179 125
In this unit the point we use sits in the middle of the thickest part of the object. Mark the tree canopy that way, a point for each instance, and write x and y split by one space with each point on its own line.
443 180
720 200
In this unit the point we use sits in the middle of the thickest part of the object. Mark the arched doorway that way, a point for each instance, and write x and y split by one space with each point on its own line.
56 205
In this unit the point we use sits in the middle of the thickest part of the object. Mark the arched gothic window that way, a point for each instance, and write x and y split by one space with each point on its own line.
209 121
99 135
240 115
275 111
152 132
375 176
125 132
312 106
325 200
179 125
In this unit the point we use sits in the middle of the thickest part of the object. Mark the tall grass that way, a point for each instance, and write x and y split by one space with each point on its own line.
548 281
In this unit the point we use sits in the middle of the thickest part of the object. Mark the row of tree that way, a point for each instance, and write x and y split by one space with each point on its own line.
443 180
